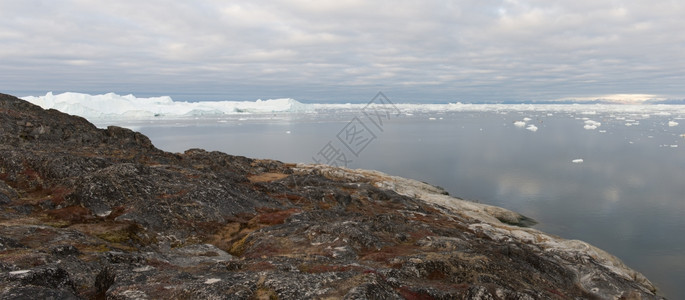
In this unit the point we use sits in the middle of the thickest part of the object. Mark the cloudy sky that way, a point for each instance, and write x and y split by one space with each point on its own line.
322 51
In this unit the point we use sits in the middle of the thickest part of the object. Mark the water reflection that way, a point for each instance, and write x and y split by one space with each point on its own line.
625 197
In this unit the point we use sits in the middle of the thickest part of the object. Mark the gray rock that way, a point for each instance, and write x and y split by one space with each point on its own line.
94 213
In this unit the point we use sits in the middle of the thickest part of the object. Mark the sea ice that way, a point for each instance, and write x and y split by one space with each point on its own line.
577 160
591 125
128 107
532 128
672 123
520 124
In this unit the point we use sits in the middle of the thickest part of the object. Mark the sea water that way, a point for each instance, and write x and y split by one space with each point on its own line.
614 180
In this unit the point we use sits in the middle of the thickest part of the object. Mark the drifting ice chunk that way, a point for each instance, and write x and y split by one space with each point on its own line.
526 119
672 123
577 161
520 124
532 128
591 125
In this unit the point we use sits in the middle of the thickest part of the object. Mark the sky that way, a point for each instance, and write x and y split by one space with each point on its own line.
346 51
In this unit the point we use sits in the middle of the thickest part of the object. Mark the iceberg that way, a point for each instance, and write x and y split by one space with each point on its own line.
130 107
520 124
591 125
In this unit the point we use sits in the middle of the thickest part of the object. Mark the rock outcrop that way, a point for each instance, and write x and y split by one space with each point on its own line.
88 213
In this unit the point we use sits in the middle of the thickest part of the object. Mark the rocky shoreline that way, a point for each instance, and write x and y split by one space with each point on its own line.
88 213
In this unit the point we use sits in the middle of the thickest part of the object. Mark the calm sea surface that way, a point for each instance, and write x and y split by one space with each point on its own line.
627 196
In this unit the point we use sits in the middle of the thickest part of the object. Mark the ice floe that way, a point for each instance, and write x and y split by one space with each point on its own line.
672 123
591 125
532 128
520 124
577 161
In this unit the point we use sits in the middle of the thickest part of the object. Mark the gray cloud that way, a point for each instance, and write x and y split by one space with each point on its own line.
345 50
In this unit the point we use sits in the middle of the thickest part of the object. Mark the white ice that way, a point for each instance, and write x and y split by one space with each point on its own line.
672 123
520 124
532 128
591 125
577 161
129 107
